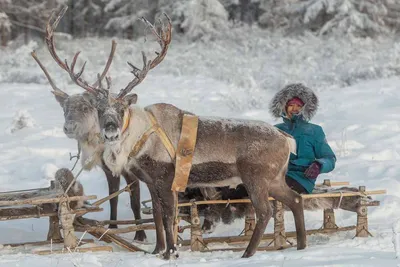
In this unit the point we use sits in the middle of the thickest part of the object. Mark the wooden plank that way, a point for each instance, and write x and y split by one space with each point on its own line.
43 200
31 193
124 222
322 195
334 184
67 224
33 212
123 243
101 201
47 242
240 239
184 152
77 250
124 230
5 193
344 194
107 236
236 249
94 234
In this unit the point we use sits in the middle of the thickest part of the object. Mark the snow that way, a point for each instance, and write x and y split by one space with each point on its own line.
234 78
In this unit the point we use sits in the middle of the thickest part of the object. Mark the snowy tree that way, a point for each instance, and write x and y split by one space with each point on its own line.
246 11
86 17
274 16
356 17
125 16
5 28
29 16
392 18
198 19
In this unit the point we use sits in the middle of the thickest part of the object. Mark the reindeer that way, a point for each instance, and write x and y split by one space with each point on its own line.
81 124
228 152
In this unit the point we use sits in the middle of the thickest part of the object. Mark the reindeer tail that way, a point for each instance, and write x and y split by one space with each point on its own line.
292 144
291 141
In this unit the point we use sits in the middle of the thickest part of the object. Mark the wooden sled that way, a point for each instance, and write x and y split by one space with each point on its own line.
49 202
355 200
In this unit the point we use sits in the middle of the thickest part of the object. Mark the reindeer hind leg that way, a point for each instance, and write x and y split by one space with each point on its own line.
258 194
294 201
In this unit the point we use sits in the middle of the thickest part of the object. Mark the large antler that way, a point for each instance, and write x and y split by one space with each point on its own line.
76 77
56 91
164 39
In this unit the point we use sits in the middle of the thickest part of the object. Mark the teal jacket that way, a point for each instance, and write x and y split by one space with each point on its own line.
311 146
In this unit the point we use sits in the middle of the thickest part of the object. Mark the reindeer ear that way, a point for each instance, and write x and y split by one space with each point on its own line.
60 96
131 99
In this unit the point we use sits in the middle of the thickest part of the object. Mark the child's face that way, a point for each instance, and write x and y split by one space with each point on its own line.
292 109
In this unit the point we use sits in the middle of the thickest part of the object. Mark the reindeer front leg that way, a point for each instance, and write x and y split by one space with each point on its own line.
168 201
135 202
158 220
113 186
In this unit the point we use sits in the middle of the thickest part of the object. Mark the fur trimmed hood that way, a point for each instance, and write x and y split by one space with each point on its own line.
310 99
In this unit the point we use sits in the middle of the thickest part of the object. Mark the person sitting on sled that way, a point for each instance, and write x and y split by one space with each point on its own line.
297 104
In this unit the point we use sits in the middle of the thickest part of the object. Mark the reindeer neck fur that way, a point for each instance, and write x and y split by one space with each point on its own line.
91 145
116 154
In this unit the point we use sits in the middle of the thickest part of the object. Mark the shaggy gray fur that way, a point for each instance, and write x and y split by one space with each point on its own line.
310 99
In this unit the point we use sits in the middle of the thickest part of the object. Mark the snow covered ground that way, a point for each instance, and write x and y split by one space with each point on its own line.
359 95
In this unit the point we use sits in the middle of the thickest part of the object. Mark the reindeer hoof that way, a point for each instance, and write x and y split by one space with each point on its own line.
157 250
172 252
166 255
301 245
140 236
248 254
112 226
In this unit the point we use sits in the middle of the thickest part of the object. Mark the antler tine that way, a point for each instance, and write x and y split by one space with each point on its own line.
164 39
108 80
56 90
108 64
50 28
100 85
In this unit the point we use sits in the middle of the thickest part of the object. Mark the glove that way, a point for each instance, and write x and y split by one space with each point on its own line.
313 171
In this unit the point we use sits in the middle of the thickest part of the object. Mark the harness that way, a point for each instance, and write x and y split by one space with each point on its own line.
182 156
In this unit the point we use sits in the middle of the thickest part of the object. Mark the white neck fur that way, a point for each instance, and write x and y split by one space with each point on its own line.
89 146
116 154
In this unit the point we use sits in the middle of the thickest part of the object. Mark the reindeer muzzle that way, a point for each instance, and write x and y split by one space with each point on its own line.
111 132
70 128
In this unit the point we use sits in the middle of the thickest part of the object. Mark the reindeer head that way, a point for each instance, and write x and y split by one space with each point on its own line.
80 116
80 110
112 111
114 115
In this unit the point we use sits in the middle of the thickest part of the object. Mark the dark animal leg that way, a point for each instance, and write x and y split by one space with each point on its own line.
113 186
294 201
158 221
135 203
258 194
168 202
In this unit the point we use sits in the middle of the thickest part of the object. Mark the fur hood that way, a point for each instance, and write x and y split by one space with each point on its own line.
310 99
